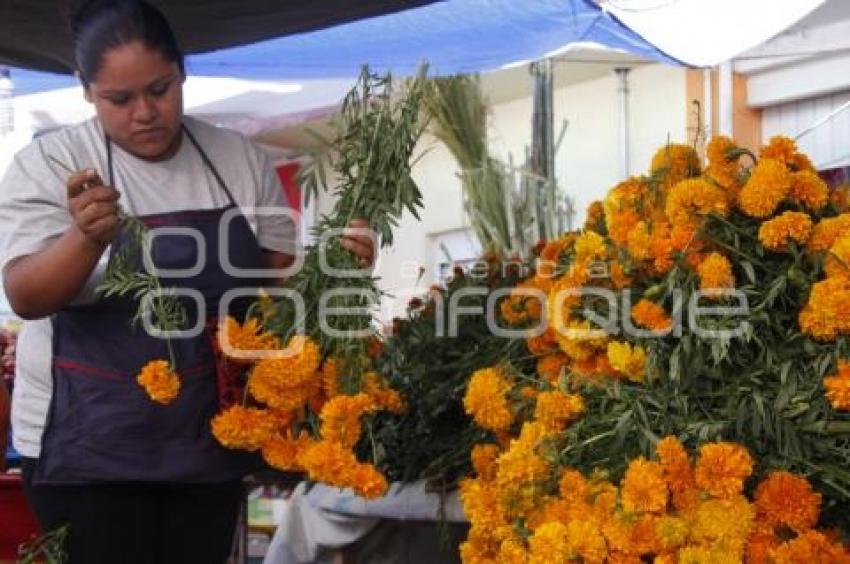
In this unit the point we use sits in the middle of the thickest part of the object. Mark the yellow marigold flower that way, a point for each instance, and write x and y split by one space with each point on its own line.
639 242
244 428
786 499
678 472
590 246
480 505
631 362
838 387
724 520
550 367
585 538
775 234
837 262
768 185
555 409
715 273
827 313
160 382
340 418
721 168
809 189
691 199
549 544
779 148
522 472
512 551
675 162
628 194
722 468
650 315
828 231
240 342
281 452
709 555
643 488
484 458
810 547
485 399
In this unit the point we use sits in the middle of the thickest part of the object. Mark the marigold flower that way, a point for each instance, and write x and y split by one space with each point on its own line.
585 538
631 362
780 148
367 482
241 343
544 344
595 216
691 199
382 395
551 366
768 185
281 452
715 273
811 546
329 374
678 472
639 242
809 189
722 168
555 409
827 313
549 544
775 234
620 223
675 162
160 382
485 399
840 197
590 246
828 231
838 387
340 418
643 488
651 315
244 428
786 499
724 520
672 532
484 458
837 262
267 386
722 468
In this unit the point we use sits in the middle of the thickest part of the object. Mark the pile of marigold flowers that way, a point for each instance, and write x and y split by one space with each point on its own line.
288 388
523 508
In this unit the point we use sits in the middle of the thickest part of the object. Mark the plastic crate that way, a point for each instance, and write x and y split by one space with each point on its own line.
19 524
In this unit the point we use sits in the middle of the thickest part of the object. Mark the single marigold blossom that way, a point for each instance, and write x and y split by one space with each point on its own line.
160 382
651 315
244 428
787 499
722 468
643 488
838 387
769 184
777 233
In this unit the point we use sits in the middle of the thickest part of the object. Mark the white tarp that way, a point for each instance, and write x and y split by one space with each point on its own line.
708 32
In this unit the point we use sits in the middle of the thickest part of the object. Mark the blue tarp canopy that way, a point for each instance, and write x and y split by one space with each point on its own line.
456 36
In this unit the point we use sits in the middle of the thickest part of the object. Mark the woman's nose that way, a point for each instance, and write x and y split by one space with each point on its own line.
144 110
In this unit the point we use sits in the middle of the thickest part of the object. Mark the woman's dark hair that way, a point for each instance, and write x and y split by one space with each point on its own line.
101 25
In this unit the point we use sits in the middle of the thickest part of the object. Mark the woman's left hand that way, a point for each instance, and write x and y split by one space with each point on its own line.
360 240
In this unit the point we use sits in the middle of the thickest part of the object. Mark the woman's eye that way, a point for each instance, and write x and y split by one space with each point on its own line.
118 100
159 90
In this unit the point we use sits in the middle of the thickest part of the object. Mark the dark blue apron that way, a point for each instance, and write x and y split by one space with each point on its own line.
102 426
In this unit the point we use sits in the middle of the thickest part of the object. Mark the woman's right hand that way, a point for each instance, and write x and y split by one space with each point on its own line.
94 207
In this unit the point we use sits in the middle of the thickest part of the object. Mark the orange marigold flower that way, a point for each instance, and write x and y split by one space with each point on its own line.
809 189
768 185
675 162
329 374
573 487
694 198
827 313
643 488
242 342
544 344
304 355
775 234
715 273
840 197
267 384
678 472
484 457
650 315
485 399
722 168
160 382
722 468
595 216
631 362
341 418
837 262
281 452
367 482
639 242
383 396
549 544
838 387
551 366
786 499
779 148
828 231
761 542
801 162
244 428
555 409
810 547
620 223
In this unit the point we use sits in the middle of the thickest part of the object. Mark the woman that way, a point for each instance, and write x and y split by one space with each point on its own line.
136 481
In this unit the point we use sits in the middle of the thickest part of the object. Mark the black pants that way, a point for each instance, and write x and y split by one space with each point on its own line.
139 523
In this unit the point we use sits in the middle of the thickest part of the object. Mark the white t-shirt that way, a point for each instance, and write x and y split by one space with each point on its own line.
34 212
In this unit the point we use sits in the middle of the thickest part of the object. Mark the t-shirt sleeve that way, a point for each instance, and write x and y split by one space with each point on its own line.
276 223
33 206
